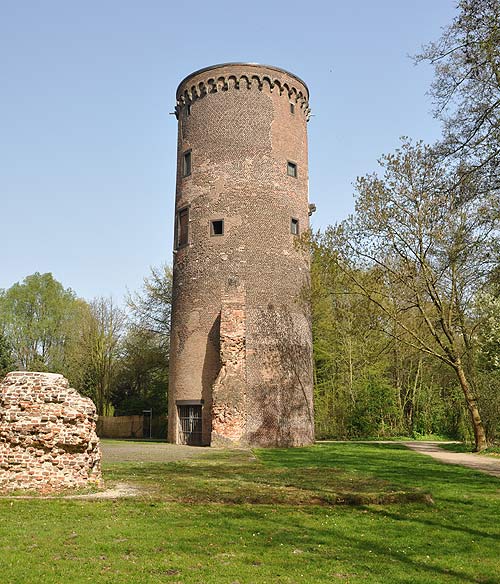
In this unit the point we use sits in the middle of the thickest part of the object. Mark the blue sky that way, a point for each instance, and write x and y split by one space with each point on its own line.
87 145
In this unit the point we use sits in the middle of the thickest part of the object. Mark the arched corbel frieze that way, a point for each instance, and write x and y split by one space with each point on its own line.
242 82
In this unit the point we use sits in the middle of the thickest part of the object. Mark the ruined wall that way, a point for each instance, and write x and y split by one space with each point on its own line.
47 435
241 125
229 406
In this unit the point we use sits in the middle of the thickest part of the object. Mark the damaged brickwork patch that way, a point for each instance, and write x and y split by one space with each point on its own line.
48 441
229 390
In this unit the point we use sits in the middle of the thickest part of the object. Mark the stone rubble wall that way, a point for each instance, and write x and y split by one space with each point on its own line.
229 390
48 439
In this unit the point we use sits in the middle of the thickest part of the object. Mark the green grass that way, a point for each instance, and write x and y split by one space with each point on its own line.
232 518
240 477
402 437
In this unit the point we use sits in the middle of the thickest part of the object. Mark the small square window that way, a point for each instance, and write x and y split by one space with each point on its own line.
292 108
294 226
291 169
186 163
217 227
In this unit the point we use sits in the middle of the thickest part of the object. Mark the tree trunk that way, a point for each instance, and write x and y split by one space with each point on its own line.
351 372
477 424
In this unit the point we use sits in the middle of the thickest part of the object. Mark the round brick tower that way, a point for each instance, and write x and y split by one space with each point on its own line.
241 348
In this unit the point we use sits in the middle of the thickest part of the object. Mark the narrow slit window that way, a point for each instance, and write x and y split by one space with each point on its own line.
217 227
294 226
188 109
186 163
292 108
182 227
291 169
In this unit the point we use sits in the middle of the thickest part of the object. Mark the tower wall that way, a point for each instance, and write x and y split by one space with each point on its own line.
241 335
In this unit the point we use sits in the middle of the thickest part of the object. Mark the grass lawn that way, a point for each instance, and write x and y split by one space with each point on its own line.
272 516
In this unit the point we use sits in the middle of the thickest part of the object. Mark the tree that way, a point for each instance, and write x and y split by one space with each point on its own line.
351 357
93 356
429 243
488 360
466 88
142 378
151 308
366 383
6 361
36 317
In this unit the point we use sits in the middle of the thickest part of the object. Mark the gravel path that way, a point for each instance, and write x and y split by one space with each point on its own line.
485 464
128 451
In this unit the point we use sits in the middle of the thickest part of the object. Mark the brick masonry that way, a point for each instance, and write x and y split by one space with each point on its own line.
229 390
241 293
48 441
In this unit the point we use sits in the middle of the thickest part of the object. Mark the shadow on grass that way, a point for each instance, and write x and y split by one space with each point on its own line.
417 566
391 462
237 477
451 541
452 525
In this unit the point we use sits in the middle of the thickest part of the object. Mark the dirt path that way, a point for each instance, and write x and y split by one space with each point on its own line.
476 461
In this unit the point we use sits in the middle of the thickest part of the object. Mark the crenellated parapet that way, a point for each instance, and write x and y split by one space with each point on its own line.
242 76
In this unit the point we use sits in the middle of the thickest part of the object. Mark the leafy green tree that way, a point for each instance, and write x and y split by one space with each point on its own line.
350 352
488 360
357 364
95 350
36 317
432 242
142 380
375 411
151 307
6 361
488 311
143 375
